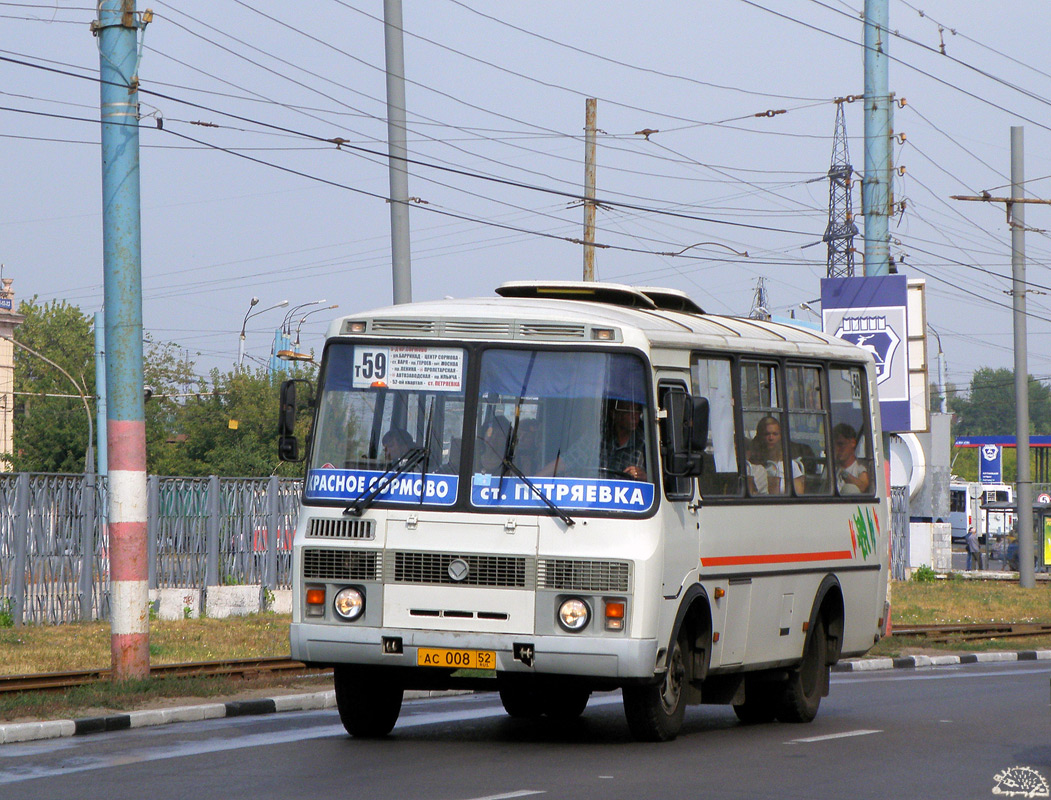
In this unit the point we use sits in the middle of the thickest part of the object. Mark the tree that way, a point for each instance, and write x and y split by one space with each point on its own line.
51 428
229 427
989 410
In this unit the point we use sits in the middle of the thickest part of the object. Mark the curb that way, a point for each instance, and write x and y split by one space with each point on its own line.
61 728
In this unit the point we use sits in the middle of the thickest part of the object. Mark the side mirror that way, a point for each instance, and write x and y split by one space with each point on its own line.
686 432
287 443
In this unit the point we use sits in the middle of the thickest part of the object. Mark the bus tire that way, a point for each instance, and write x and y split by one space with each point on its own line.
368 703
565 703
655 711
801 696
521 700
760 702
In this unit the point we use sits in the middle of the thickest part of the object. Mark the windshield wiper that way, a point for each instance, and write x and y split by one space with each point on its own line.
513 468
426 449
407 461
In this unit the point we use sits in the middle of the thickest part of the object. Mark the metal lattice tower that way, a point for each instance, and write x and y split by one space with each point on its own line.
839 235
760 302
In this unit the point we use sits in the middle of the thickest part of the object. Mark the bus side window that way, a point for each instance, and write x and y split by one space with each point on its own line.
808 428
711 378
851 431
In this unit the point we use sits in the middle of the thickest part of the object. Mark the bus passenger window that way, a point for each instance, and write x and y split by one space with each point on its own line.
710 377
851 436
808 427
766 470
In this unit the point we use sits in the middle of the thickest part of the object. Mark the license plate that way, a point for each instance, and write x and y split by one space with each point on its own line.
456 659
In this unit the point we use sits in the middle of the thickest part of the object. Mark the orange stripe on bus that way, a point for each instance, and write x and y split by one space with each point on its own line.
777 558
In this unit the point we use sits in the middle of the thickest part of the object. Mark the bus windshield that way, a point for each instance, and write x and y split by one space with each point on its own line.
575 423
572 426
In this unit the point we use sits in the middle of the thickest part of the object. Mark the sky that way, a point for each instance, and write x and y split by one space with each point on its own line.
245 195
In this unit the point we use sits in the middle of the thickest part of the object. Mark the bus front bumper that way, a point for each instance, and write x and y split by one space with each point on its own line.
581 655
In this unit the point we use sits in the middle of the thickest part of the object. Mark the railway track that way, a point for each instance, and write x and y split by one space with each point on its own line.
246 668
974 632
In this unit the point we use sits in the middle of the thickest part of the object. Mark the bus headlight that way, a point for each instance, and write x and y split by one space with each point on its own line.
349 603
573 614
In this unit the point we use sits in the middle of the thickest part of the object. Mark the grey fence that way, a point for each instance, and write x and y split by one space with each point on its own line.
899 532
54 555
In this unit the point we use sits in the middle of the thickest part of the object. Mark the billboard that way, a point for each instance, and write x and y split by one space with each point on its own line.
872 312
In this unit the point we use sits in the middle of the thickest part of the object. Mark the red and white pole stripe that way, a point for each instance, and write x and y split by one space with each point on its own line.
129 565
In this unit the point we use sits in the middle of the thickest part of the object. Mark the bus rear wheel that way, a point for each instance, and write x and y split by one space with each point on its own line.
655 711
760 702
368 703
565 703
808 682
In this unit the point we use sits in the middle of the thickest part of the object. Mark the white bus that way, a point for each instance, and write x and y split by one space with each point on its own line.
561 490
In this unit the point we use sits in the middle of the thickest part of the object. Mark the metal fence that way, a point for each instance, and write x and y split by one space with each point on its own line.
54 555
899 532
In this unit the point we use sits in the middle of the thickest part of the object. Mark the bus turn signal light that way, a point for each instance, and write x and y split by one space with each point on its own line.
316 602
614 615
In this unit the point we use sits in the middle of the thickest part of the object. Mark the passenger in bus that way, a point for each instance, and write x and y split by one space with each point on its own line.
527 448
766 453
491 445
396 443
851 475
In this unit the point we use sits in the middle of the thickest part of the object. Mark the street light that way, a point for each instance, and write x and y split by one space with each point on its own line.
286 324
248 316
315 311
294 354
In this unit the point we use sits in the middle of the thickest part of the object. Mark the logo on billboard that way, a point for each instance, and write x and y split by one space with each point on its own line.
874 334
990 452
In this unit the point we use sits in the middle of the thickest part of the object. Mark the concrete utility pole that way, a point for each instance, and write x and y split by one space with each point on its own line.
1015 205
875 188
117 28
1024 485
100 392
590 112
397 152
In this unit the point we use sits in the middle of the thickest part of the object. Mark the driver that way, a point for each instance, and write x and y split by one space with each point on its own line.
624 446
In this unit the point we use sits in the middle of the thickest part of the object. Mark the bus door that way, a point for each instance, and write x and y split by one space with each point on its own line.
679 520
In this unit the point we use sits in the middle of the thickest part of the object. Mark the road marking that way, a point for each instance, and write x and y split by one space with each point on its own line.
830 736
519 793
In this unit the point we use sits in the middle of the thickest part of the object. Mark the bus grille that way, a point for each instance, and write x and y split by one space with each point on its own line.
341 529
477 329
583 576
544 330
340 565
482 570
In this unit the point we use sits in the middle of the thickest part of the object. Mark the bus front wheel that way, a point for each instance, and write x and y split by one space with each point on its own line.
655 711
808 682
368 703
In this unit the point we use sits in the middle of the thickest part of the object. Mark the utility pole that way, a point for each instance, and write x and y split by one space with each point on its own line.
117 29
875 188
590 111
397 151
1015 205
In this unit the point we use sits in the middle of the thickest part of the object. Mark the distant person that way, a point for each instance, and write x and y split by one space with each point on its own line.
974 550
491 446
396 443
851 475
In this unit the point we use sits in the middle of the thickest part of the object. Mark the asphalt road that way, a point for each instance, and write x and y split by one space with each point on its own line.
941 732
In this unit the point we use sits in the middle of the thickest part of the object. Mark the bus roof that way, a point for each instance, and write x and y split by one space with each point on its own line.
567 311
